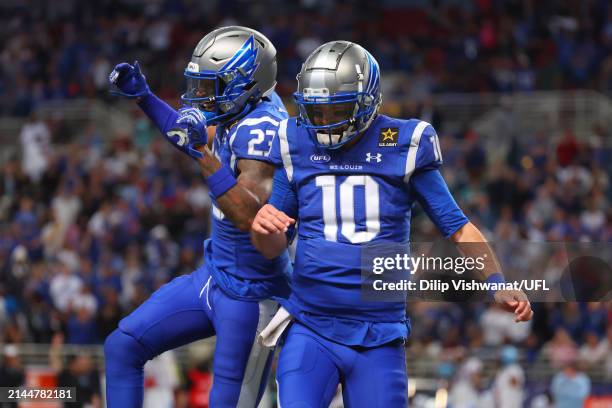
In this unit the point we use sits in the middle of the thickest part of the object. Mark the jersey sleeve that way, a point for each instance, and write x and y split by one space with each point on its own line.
253 138
284 197
280 152
432 193
429 155
280 106
275 156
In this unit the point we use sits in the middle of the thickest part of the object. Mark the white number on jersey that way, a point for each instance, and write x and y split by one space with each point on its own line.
347 208
259 139
436 147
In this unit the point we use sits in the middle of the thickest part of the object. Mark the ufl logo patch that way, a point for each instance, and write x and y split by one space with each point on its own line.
320 158
388 137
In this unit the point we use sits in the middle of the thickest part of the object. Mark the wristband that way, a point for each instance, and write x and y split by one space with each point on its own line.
495 278
220 181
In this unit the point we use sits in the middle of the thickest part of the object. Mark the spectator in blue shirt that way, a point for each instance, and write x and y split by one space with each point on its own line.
570 387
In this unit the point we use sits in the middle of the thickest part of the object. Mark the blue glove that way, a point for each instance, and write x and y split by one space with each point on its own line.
193 121
129 80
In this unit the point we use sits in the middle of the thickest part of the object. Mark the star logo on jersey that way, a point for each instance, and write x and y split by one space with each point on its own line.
376 157
388 137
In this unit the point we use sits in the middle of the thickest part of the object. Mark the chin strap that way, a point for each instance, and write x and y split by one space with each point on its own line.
231 119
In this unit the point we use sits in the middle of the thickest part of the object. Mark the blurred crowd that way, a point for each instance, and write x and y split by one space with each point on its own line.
88 230
92 232
65 48
90 226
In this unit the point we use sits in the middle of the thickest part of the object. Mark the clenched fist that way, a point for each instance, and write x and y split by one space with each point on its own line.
270 220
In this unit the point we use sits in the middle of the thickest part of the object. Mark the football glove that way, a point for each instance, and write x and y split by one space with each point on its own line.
130 82
193 121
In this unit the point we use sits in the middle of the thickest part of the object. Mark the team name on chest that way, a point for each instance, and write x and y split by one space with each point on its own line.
324 161
370 161
350 167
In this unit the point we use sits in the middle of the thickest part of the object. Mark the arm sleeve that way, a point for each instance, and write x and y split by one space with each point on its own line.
284 198
432 193
164 117
161 114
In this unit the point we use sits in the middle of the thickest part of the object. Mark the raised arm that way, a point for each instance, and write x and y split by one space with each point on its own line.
132 84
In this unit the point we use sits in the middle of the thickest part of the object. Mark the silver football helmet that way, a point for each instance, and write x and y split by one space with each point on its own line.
230 69
338 92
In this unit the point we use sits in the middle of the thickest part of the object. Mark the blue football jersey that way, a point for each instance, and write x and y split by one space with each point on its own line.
344 199
236 265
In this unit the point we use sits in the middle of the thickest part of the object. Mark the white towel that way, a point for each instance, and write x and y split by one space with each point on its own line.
271 333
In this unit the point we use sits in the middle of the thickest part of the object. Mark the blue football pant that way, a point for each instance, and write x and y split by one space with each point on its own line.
310 368
178 313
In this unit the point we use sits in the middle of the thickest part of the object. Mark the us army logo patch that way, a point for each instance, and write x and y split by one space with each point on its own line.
388 137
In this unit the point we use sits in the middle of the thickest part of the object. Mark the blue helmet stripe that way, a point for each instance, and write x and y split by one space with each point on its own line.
376 79
373 80
367 89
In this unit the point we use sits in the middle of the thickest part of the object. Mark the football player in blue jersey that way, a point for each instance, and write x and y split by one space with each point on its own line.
230 85
349 177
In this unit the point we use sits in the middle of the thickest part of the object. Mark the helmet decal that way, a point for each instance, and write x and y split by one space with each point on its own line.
245 58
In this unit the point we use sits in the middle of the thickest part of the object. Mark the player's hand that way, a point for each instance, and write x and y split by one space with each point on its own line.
515 301
130 82
269 220
193 121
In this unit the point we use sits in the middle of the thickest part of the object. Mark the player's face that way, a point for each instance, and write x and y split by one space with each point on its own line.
328 114
202 88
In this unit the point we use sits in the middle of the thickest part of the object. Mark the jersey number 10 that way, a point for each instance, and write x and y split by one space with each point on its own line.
347 207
